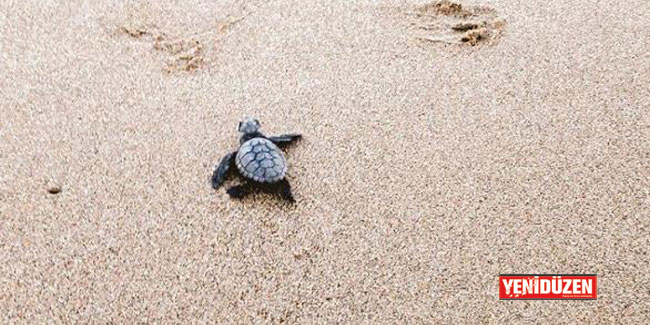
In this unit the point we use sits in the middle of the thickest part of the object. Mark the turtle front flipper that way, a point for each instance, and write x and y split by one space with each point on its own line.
285 139
221 170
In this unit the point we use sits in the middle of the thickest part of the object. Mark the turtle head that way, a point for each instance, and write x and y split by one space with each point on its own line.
248 125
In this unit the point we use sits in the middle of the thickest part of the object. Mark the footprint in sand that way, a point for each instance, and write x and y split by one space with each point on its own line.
184 53
181 54
453 23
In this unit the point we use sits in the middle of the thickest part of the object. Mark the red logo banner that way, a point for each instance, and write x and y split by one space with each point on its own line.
548 286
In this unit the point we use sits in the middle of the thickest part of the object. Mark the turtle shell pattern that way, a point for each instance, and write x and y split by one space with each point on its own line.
261 160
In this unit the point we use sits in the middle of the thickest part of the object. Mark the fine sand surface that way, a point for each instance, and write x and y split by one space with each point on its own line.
428 167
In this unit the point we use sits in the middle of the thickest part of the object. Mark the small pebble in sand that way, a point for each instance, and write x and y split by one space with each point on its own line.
53 189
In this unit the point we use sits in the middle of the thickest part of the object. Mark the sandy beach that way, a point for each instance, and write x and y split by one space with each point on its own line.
442 146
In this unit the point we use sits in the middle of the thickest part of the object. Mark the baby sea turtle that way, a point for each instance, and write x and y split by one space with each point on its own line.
259 162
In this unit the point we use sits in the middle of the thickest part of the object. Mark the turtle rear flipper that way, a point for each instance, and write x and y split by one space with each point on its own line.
239 191
285 191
